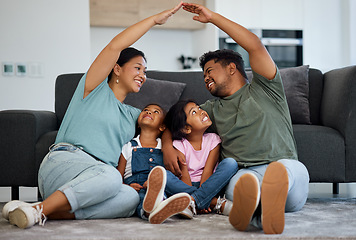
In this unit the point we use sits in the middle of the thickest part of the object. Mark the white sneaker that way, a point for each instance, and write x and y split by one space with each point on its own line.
227 206
12 205
27 216
169 207
156 183
189 212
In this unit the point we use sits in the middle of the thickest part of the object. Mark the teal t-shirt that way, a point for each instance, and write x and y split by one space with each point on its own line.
99 123
254 123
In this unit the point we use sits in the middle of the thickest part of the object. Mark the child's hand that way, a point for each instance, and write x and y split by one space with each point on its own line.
136 186
162 17
204 211
204 14
145 185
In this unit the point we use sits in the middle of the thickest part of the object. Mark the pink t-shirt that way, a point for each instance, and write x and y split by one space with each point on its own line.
196 159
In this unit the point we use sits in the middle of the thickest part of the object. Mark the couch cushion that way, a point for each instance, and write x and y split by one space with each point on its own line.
194 80
315 93
164 93
296 87
322 150
65 88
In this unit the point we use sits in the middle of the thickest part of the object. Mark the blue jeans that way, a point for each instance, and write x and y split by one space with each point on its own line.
209 189
93 189
298 178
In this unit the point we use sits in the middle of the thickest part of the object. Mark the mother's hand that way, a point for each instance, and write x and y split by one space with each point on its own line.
162 17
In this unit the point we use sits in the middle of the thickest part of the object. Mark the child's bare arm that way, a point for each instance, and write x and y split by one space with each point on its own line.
210 164
122 165
185 177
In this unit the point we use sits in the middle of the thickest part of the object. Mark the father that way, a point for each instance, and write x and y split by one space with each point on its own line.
253 121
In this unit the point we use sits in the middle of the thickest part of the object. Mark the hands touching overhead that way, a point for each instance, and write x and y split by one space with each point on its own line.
204 14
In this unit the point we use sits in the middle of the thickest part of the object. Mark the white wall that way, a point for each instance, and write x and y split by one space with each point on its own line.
327 33
52 33
162 47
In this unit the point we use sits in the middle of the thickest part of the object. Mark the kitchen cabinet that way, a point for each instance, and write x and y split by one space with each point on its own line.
124 13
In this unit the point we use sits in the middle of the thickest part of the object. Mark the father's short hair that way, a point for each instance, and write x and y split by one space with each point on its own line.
224 57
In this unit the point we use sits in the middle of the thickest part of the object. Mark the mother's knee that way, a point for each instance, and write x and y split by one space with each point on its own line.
112 180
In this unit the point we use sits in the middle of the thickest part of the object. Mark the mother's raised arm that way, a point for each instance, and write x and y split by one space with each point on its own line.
106 60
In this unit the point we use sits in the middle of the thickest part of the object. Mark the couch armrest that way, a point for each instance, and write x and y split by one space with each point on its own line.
338 111
19 132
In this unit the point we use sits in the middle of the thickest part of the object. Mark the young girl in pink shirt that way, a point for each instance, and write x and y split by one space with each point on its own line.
203 175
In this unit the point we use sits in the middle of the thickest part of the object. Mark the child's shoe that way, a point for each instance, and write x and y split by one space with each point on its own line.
227 206
169 207
245 202
12 205
156 184
189 212
27 216
274 193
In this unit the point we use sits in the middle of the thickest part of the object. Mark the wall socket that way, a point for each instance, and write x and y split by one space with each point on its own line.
35 69
8 69
21 69
31 69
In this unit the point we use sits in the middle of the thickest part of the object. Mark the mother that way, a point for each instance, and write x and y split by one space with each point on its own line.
78 177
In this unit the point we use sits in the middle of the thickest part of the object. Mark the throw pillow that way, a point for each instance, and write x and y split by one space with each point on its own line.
164 93
296 86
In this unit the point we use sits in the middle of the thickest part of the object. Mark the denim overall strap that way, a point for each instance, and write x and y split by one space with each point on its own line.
143 160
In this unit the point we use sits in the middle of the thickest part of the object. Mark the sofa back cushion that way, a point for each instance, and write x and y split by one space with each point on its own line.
194 80
316 86
64 90
194 88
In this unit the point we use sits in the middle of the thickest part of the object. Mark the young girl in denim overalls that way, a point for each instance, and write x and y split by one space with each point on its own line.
141 164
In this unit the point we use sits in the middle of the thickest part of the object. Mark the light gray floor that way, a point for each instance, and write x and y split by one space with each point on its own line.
316 190
325 216
321 218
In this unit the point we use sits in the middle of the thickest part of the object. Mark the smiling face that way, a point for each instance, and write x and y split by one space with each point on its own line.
217 79
152 116
132 75
197 119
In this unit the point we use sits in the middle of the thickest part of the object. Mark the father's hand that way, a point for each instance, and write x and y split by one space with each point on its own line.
204 14
171 157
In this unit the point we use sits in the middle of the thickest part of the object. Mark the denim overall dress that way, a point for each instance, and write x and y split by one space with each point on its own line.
142 162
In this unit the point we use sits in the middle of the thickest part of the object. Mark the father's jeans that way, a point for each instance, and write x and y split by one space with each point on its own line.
93 188
209 189
298 178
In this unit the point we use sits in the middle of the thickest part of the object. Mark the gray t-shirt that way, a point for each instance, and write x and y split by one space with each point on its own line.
254 123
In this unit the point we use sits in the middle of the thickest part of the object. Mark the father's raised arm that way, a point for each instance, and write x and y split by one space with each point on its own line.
260 60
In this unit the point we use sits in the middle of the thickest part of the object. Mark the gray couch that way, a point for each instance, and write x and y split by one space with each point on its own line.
323 110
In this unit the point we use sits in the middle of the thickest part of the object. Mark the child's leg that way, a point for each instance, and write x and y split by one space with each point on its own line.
175 185
213 185
140 212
